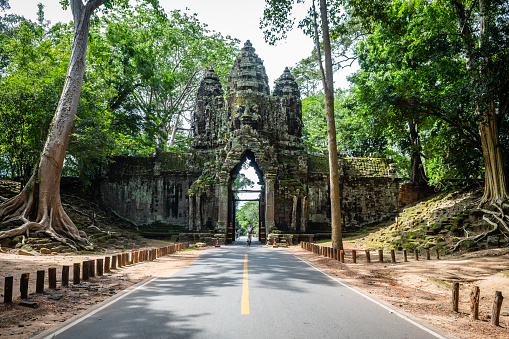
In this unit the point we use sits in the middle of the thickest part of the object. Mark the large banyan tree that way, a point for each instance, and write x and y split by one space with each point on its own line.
38 207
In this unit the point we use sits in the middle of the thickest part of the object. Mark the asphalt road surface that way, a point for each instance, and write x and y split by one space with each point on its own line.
237 291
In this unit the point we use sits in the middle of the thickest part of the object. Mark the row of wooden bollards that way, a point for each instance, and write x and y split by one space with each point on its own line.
336 254
88 269
474 303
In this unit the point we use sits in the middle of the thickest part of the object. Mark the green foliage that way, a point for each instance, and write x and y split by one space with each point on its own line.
30 87
357 136
413 70
159 60
247 215
242 182
307 75
143 67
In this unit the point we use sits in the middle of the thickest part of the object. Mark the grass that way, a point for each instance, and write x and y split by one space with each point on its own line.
441 283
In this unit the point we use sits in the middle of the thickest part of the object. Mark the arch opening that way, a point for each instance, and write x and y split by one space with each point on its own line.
246 199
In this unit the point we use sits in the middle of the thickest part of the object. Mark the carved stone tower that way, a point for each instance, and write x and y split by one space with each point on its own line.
175 192
249 123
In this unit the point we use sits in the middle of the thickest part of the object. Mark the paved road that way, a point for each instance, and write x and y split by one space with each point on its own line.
246 292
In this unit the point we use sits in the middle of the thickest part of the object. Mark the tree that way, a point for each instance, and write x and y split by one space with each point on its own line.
458 52
28 93
160 59
276 22
38 206
446 60
485 53
248 214
358 135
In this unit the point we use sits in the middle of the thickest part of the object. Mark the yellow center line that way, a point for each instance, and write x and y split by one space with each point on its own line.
244 309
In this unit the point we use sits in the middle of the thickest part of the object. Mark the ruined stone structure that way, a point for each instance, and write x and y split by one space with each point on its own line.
246 121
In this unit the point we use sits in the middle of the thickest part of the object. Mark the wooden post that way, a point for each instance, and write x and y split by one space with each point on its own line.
428 257
495 311
85 271
100 267
76 274
455 296
354 256
91 267
107 265
474 302
405 259
416 253
342 256
368 256
23 285
65 275
52 278
438 254
113 262
393 256
119 260
9 281
39 282
381 255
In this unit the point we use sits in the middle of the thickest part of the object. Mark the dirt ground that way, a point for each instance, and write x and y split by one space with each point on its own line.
420 287
416 287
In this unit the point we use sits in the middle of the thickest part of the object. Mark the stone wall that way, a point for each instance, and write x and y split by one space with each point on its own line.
152 191
248 122
369 192
147 190
410 193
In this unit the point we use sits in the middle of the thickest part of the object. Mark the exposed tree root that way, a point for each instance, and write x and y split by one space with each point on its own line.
34 214
497 218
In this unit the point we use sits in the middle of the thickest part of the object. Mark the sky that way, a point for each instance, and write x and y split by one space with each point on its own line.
237 18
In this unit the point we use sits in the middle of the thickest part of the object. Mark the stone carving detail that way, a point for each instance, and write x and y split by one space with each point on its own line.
249 120
174 190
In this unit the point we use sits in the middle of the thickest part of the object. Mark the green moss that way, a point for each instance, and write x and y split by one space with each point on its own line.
441 283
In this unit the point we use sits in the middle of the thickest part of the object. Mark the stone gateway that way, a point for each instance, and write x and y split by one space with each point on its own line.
192 194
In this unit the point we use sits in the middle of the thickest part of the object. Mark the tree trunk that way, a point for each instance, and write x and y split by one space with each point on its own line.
328 88
417 173
495 186
38 206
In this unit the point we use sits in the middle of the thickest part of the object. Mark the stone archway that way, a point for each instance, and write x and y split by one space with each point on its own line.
227 124
250 120
230 200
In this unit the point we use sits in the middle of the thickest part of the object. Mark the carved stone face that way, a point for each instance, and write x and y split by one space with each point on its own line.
246 112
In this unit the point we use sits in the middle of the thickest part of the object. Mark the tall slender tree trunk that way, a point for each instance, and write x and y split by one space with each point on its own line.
328 88
38 206
417 174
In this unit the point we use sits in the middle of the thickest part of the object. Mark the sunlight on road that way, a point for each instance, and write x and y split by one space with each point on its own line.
244 309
